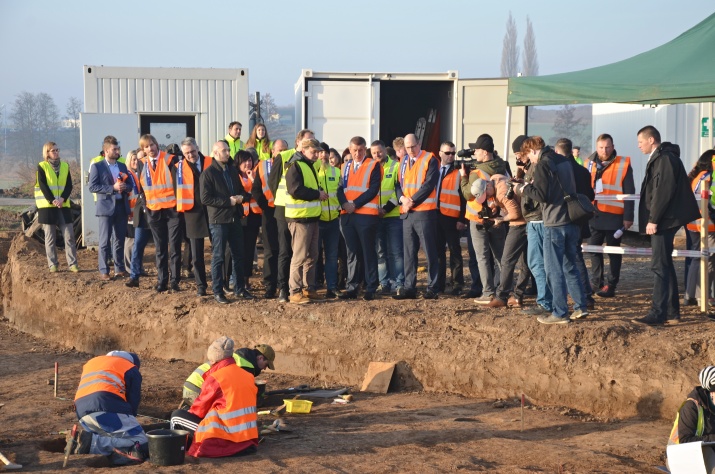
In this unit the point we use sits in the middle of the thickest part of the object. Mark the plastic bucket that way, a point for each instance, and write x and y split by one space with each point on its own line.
167 447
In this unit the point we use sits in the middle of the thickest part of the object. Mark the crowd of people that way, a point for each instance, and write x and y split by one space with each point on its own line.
353 222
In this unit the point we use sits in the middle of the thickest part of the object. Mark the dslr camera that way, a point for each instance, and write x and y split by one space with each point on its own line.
465 157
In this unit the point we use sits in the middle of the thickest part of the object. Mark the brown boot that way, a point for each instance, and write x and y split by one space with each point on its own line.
312 295
298 298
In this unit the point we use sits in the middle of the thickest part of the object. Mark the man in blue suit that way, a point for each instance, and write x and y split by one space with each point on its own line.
111 182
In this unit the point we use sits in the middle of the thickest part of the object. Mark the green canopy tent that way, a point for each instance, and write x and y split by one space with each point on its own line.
680 71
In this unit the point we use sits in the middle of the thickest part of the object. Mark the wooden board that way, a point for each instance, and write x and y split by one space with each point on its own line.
378 377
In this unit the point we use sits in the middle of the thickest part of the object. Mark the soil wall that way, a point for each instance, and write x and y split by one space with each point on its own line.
603 365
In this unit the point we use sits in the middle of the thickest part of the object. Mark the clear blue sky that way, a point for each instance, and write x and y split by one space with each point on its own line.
45 43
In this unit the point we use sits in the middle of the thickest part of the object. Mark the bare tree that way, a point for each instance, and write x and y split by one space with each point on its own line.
48 115
531 60
568 125
510 50
73 109
268 104
24 118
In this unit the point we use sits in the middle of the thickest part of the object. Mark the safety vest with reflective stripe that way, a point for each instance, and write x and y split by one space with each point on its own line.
234 145
196 379
612 180
449 201
263 155
357 183
297 208
252 204
473 207
387 187
135 189
674 437
54 182
158 189
184 186
104 374
328 180
264 169
696 185
413 177
234 417
99 158
281 193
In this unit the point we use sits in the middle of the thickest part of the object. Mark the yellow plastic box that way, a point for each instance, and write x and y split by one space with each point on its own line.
298 406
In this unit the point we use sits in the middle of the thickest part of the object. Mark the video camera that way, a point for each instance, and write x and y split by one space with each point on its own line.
465 157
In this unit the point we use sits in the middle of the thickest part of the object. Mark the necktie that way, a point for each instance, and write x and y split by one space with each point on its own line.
439 185
153 164
412 162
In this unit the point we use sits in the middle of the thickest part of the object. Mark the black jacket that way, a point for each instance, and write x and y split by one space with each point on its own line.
251 355
195 218
553 177
215 194
666 197
50 215
295 186
688 422
583 186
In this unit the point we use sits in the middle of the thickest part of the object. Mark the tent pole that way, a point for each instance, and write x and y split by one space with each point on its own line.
507 132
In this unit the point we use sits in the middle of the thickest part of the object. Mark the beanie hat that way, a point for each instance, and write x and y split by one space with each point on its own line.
221 348
516 144
707 378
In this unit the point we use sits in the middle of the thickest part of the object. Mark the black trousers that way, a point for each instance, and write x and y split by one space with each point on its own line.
187 255
250 237
166 229
270 249
514 248
360 232
285 251
448 236
614 260
196 246
666 303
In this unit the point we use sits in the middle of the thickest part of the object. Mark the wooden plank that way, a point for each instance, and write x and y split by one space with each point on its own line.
378 377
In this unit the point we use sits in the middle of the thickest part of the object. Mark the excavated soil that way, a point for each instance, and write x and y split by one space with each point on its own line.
601 393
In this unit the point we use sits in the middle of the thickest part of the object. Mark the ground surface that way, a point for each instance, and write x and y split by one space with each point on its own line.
600 393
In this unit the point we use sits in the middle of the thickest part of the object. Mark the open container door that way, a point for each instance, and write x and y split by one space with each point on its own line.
481 108
92 132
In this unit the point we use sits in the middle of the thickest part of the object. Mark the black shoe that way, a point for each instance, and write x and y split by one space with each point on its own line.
456 291
270 293
648 321
472 294
175 287
132 283
608 291
283 296
429 295
80 442
243 293
530 291
590 303
405 295
368 296
160 288
221 299
201 291
330 295
348 295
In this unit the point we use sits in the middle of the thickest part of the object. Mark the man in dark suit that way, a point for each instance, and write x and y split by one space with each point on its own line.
107 179
186 175
223 195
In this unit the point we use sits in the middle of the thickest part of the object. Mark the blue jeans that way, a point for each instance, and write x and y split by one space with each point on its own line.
221 236
562 274
328 238
390 258
112 232
141 238
535 260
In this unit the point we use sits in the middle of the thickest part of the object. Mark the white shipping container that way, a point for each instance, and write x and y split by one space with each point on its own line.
169 103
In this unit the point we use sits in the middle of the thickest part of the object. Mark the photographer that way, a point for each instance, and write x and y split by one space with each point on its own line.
502 191
487 238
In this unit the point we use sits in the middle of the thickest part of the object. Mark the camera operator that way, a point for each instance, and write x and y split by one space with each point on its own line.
501 190
487 238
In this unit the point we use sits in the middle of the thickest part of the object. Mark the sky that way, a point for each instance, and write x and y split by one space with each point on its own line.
44 44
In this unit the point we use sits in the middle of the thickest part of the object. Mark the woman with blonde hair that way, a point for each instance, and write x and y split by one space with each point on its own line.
260 141
53 187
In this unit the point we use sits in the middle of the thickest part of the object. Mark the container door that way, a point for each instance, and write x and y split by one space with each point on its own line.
337 110
481 108
93 129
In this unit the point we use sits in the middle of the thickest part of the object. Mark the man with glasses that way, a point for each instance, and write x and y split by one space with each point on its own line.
417 195
451 221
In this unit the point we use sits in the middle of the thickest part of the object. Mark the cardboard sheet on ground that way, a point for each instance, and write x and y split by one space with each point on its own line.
378 377
323 393
691 458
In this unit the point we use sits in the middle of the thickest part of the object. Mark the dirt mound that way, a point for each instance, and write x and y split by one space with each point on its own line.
604 365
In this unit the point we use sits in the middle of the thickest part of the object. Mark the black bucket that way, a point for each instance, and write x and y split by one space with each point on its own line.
167 447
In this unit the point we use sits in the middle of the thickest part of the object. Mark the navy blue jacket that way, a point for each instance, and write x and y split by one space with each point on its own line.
101 183
112 403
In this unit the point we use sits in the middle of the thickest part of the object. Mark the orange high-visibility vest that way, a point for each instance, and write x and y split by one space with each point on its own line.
413 177
233 417
184 186
473 207
357 182
158 189
449 202
264 169
612 180
696 185
252 204
104 374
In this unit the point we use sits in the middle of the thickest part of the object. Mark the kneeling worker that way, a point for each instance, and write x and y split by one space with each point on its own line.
252 361
107 401
223 418
696 418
